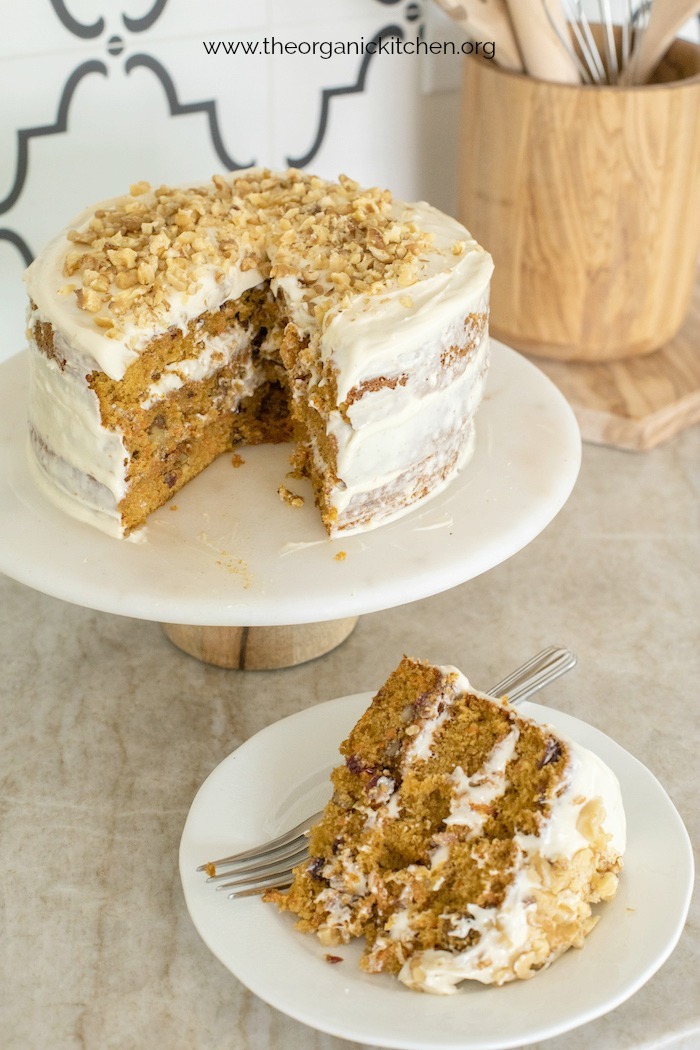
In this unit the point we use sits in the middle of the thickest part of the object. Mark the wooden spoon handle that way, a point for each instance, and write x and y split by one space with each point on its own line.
544 55
487 20
667 18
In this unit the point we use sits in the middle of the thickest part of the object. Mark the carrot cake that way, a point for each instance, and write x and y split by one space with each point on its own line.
173 324
462 841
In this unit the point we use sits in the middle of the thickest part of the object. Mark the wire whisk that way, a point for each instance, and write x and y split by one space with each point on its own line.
595 52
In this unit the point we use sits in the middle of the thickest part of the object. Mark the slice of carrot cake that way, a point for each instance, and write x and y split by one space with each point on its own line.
462 841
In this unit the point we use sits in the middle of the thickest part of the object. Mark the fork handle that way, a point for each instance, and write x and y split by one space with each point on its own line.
535 674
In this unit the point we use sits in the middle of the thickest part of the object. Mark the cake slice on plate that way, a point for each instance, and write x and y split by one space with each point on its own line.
462 841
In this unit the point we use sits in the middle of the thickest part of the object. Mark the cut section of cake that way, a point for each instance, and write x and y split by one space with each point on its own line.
172 324
462 841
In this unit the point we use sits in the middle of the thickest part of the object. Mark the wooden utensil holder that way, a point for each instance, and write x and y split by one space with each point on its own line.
588 198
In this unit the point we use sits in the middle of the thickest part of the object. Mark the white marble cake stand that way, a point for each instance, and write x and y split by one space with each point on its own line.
227 552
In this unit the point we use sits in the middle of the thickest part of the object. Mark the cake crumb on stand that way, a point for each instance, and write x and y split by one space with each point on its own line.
291 498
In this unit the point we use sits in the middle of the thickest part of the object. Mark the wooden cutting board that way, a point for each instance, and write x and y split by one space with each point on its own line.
639 402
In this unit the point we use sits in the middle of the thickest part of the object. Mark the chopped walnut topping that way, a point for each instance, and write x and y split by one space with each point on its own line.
88 299
342 241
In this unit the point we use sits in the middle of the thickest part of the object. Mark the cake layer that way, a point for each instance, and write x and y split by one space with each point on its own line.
463 841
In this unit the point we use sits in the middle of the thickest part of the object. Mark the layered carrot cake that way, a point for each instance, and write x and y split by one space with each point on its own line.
173 324
462 841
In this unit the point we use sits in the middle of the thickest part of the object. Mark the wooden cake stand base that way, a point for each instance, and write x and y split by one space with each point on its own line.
260 648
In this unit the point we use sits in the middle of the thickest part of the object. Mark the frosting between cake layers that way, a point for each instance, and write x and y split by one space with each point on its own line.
215 351
473 795
508 941
435 715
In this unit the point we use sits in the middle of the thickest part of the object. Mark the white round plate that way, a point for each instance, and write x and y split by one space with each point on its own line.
280 775
233 553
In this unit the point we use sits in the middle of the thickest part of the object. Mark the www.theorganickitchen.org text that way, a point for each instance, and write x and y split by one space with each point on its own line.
326 49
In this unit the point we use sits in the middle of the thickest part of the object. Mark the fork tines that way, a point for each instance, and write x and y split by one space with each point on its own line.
292 837
250 873
263 867
266 879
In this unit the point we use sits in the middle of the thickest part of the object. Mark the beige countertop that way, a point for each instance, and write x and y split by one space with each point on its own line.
107 731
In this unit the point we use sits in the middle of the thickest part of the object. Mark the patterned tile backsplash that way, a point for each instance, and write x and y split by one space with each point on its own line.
98 94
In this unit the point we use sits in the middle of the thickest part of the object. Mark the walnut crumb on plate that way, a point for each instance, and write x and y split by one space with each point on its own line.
290 497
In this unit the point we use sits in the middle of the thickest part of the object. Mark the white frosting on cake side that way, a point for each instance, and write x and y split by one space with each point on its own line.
393 332
385 428
78 463
65 413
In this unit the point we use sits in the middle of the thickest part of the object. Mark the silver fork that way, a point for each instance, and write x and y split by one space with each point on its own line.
270 866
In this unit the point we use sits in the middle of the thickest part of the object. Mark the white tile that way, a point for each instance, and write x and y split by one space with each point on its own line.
239 88
105 149
300 81
36 30
299 12
182 17
375 136
31 90
40 28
